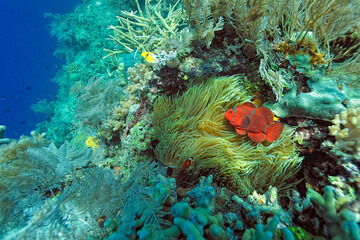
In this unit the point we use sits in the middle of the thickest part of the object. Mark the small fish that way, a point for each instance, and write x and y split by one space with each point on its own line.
186 164
257 123
149 57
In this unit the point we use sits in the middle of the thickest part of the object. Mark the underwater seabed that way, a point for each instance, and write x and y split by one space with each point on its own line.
137 144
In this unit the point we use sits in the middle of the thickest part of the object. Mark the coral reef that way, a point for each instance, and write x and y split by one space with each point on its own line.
267 232
137 147
192 126
81 37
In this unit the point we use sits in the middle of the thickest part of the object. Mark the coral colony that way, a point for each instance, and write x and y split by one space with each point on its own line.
194 119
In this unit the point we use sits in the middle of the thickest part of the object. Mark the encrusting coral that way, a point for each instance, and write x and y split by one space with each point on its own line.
193 127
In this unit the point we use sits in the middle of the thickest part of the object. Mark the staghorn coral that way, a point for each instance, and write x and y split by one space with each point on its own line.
193 126
146 30
346 130
256 207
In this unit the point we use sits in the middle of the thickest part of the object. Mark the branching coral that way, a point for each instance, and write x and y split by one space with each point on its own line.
193 126
146 30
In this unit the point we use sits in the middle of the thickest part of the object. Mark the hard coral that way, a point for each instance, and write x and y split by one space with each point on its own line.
145 32
193 126
346 129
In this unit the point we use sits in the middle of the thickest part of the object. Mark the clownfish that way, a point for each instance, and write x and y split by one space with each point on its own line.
257 123
186 164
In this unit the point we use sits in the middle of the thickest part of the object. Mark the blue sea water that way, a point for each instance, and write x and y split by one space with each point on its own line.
27 63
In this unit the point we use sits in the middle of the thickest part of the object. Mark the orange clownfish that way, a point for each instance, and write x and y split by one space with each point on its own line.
258 123
186 164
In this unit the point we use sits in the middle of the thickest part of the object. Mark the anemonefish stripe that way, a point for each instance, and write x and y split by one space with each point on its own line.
266 128
250 118
234 109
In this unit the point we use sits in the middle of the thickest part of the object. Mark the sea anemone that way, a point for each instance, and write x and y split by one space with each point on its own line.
193 126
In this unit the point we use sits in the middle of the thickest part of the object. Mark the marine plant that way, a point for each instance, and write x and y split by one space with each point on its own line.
193 127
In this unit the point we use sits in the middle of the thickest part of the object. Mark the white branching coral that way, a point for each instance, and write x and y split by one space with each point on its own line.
346 129
145 30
